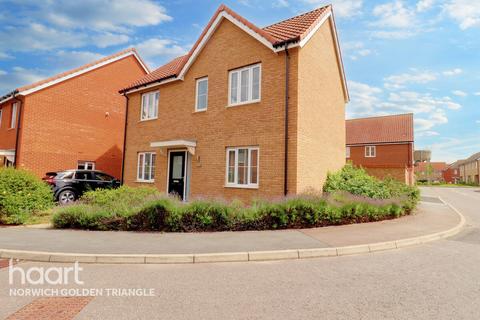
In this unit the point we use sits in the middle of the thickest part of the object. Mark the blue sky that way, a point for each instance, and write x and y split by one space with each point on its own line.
420 56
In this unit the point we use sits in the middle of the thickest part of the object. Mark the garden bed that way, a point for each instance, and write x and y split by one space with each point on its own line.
351 197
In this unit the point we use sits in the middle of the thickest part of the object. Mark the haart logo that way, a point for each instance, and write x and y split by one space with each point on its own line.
42 276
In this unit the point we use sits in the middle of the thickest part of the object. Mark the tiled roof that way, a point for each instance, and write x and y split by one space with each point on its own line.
386 129
436 166
73 71
291 30
473 157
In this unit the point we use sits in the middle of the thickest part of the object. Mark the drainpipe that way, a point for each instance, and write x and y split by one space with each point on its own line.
17 133
124 136
287 76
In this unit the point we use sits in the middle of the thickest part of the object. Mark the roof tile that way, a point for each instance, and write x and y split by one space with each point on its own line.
386 129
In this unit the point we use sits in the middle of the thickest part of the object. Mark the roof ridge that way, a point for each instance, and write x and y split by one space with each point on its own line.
386 116
297 16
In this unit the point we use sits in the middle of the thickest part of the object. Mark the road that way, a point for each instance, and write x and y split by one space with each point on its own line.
439 280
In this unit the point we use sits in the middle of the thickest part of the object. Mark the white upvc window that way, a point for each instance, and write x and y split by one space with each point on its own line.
13 117
146 167
86 165
348 152
149 109
1 112
370 151
245 85
242 167
201 96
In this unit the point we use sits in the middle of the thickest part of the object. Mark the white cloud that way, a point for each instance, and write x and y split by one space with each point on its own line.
341 8
459 93
5 56
393 15
19 77
478 121
281 4
3 72
427 134
65 60
155 50
477 93
109 39
39 37
395 34
452 72
465 12
355 49
104 14
424 5
401 80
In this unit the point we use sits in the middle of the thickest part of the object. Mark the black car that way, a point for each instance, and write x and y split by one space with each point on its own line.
69 185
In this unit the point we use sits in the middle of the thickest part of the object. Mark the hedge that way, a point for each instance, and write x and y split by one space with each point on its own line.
144 209
21 195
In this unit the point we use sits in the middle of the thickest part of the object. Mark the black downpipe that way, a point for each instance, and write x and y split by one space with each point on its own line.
17 133
287 76
124 137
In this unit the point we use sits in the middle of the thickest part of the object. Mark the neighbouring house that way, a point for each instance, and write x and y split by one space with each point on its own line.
383 146
452 173
430 171
72 120
247 113
470 169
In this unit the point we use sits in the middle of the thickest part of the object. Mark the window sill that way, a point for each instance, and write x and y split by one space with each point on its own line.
150 119
243 104
145 181
200 111
239 186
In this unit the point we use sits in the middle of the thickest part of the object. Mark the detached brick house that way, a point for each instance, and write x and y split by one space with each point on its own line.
248 112
74 119
470 169
383 146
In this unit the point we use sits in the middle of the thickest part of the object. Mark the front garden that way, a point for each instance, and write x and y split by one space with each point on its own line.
351 196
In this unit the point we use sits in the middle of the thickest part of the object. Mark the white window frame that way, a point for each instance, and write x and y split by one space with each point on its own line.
250 85
1 114
142 106
348 152
196 94
235 184
13 116
152 167
370 151
86 165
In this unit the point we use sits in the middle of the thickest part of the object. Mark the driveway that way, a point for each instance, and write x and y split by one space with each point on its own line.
439 280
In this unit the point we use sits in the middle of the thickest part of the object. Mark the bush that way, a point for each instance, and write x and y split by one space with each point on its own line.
21 195
353 197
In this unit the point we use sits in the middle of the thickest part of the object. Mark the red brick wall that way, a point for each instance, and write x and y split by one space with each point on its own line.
68 122
393 155
400 174
7 135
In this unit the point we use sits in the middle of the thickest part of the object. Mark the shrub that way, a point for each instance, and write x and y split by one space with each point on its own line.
354 197
21 195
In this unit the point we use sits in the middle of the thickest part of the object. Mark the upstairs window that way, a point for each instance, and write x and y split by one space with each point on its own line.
149 106
348 152
1 118
201 100
13 117
245 85
370 151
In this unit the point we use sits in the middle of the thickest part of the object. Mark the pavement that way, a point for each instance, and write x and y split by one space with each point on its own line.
433 217
437 280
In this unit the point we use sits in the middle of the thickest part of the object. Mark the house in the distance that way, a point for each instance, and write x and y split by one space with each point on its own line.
248 113
430 171
383 146
452 173
470 169
72 120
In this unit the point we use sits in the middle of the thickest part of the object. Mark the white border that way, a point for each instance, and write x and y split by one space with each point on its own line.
197 82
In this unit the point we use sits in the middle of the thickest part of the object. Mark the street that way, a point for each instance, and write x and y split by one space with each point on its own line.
439 280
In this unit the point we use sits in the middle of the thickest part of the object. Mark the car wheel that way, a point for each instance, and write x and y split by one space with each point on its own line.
66 197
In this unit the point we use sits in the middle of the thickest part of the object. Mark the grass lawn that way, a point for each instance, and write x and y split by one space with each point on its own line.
40 217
